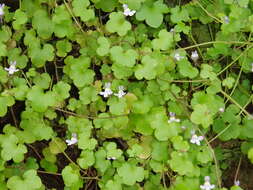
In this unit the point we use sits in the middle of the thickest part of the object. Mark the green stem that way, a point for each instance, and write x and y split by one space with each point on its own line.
236 103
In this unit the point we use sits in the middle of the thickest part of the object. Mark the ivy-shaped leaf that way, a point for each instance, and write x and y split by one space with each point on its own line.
43 24
124 58
40 100
71 177
63 47
152 13
130 174
164 42
186 69
80 9
62 22
11 148
39 55
104 46
20 19
78 71
117 23
30 180
147 69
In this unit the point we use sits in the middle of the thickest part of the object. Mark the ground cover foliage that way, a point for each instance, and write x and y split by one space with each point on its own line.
126 95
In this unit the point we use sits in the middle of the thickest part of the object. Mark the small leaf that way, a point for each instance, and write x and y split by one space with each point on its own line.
117 23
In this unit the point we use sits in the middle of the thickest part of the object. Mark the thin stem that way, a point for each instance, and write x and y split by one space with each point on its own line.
14 117
36 152
235 60
215 42
88 117
27 81
209 14
58 174
214 157
184 81
219 134
238 169
236 103
72 15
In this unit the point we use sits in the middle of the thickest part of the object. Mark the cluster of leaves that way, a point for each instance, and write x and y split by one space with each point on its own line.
67 50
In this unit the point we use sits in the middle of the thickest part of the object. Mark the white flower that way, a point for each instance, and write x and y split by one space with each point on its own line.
107 92
183 127
237 183
226 19
251 67
127 11
178 57
121 92
196 139
73 140
12 69
111 158
173 118
2 9
221 110
194 56
207 185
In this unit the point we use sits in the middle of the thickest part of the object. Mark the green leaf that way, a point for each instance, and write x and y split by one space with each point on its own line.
123 58
62 22
207 72
202 115
71 177
61 91
86 159
186 69
88 95
63 47
104 45
103 122
204 155
179 14
78 71
42 80
152 13
130 174
180 144
118 106
134 4
165 40
112 151
16 54
20 19
101 163
40 101
228 82
43 24
106 6
57 146
11 148
160 151
39 55
30 180
226 132
117 23
180 163
147 69
85 142
250 155
5 102
3 75
80 9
